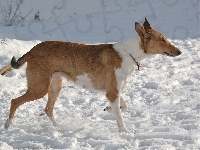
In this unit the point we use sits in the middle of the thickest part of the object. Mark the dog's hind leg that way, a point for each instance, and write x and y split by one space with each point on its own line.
123 106
38 87
56 85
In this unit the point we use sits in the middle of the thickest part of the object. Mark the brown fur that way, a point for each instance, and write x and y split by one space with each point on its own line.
98 61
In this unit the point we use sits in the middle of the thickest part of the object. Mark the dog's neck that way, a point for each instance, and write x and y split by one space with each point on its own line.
131 47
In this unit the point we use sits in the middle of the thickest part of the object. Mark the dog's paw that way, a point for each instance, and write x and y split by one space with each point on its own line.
124 129
8 123
55 124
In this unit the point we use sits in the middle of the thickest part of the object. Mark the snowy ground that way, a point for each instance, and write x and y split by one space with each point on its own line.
163 99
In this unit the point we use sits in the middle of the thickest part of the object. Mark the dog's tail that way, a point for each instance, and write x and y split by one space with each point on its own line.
16 64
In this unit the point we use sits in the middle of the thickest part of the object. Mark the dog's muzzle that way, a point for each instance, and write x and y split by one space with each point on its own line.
178 52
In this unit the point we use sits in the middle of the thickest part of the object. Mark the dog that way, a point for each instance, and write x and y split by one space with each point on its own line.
102 67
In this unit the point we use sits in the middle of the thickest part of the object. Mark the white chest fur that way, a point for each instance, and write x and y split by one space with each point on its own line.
125 48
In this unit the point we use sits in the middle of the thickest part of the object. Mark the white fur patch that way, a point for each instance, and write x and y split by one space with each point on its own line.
55 124
125 48
84 81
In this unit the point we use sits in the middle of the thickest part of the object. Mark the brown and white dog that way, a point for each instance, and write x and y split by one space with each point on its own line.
104 67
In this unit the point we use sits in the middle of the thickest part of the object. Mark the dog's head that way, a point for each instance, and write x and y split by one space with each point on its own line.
153 42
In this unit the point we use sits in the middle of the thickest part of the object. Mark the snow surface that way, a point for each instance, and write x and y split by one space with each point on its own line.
163 99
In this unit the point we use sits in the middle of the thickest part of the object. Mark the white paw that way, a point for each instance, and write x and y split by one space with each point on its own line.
55 124
8 123
124 129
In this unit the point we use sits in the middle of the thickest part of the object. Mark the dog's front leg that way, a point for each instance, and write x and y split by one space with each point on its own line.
115 105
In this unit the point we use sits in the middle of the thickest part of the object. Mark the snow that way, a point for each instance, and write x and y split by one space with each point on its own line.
163 98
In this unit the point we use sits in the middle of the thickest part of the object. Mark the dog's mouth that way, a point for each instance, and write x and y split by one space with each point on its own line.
170 55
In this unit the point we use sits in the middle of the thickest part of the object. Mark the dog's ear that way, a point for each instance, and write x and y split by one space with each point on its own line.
140 30
146 24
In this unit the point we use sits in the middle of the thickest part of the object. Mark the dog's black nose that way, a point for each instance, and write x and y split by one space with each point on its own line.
179 52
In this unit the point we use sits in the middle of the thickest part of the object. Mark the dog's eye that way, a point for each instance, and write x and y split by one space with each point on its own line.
163 40
147 36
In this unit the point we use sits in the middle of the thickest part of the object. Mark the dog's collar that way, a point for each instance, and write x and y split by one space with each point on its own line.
137 63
